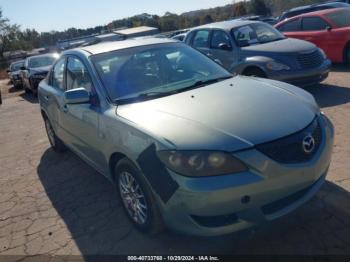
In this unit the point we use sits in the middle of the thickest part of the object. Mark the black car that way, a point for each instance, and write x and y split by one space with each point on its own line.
311 8
14 73
35 69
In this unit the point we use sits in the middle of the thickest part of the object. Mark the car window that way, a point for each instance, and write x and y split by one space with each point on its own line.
219 37
290 26
313 24
201 39
58 74
256 33
77 75
340 17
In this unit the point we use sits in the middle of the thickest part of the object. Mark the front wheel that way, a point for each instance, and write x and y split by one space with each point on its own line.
137 198
55 142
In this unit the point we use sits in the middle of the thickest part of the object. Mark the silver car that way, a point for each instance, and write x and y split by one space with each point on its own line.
255 48
187 144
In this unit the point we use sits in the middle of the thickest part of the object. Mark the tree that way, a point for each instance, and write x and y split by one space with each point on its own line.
239 9
207 19
258 7
8 34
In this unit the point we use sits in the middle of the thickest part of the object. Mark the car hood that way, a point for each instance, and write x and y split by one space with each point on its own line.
40 70
230 115
288 45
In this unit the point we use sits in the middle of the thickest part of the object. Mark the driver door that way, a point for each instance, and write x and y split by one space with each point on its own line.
222 49
80 122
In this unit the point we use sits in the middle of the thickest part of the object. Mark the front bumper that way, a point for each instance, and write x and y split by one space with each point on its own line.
303 77
224 204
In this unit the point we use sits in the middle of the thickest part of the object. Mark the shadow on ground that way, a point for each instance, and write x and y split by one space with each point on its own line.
340 68
88 204
30 97
330 95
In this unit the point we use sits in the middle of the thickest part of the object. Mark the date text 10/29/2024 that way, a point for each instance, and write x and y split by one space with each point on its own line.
173 258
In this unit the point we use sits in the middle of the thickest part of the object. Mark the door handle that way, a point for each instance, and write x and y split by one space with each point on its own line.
65 108
47 98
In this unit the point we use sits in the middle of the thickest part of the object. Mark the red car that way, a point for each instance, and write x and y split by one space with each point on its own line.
328 29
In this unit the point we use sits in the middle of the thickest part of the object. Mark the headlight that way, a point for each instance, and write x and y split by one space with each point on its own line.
275 66
323 53
201 163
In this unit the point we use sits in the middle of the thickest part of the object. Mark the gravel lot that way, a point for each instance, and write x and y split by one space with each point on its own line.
56 204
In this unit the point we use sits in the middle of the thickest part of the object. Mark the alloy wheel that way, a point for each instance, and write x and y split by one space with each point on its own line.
133 198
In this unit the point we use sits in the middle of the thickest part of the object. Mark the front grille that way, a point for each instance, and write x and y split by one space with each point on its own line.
310 60
216 221
290 149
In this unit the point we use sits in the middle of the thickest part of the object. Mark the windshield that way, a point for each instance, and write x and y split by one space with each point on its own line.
340 18
17 66
256 33
155 70
42 61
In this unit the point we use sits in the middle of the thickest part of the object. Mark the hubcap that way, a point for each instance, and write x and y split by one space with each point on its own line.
50 133
133 198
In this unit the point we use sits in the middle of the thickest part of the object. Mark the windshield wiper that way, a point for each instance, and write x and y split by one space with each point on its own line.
158 94
201 83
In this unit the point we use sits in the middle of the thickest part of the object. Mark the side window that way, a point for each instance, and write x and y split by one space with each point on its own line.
201 39
77 75
291 26
220 37
58 74
313 24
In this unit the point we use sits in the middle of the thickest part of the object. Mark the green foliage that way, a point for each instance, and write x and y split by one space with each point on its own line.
259 7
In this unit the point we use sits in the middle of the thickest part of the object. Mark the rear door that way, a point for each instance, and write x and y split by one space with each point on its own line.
51 95
316 31
291 28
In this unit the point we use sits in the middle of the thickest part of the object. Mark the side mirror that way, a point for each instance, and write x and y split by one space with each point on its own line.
8 71
328 28
225 47
77 96
23 68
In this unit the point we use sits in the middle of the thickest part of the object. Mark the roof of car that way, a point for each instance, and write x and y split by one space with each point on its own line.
228 25
117 45
315 13
43 55
305 7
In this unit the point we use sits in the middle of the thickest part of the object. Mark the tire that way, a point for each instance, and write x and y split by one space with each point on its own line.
26 90
148 221
56 143
254 72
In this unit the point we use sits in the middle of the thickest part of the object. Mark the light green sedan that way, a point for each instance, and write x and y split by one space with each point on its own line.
187 145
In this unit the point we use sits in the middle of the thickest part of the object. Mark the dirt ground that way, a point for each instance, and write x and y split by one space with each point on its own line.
56 204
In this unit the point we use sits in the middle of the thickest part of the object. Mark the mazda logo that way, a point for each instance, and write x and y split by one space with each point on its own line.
308 144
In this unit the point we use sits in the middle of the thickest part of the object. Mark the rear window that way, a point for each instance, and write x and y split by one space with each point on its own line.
340 18
291 26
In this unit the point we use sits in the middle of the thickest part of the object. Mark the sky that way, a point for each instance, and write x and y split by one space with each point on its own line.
47 15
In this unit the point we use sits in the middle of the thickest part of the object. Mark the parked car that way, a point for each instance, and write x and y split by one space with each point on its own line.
180 37
186 144
328 29
311 8
14 73
35 69
257 49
